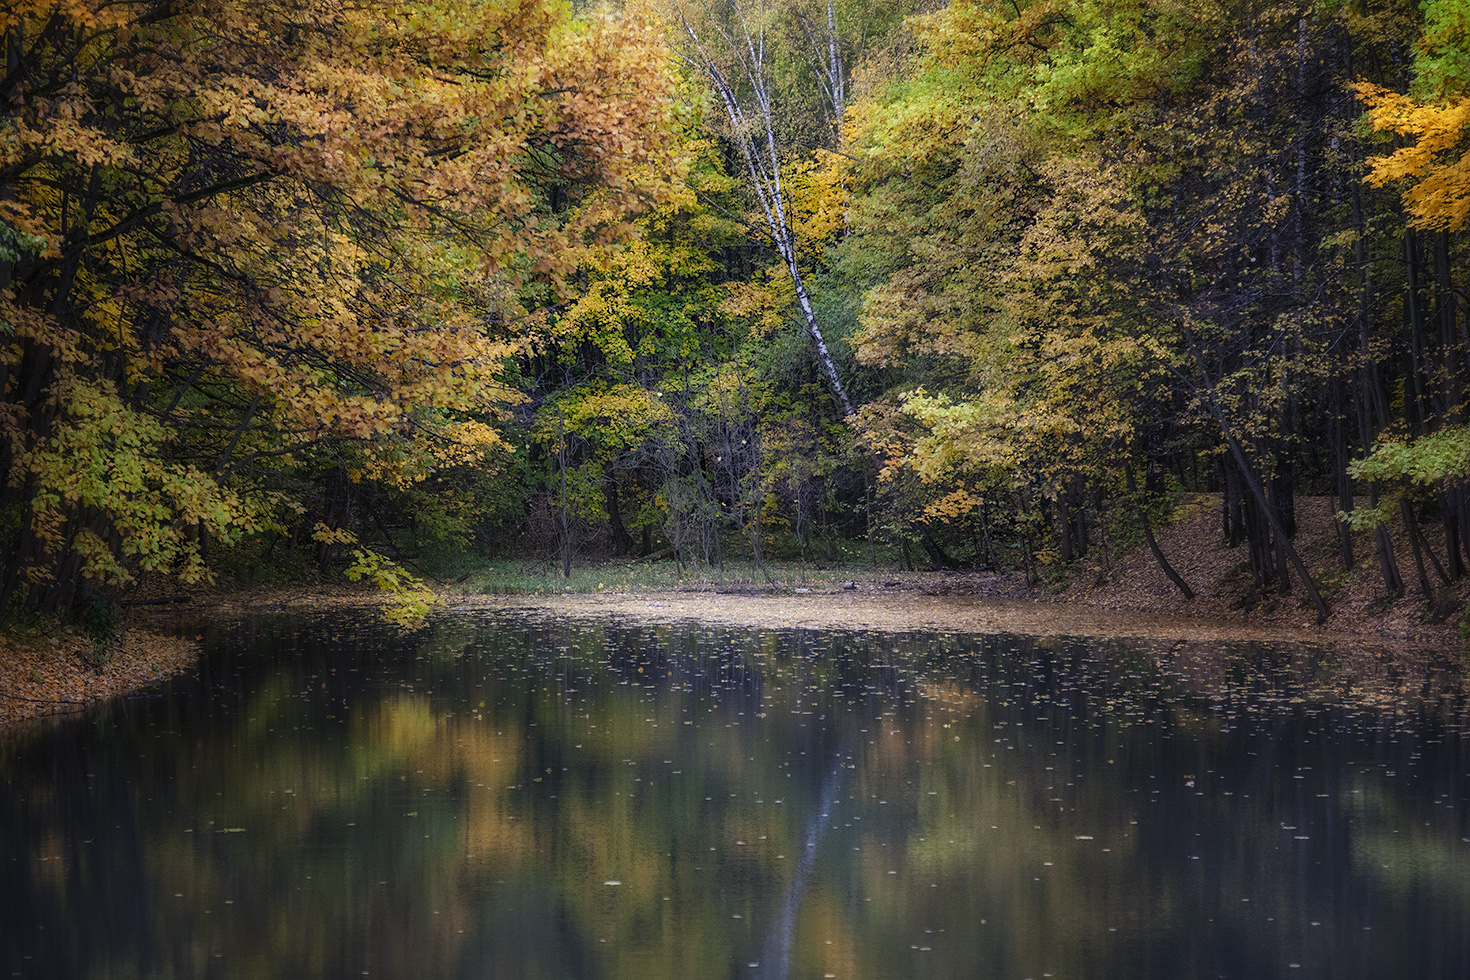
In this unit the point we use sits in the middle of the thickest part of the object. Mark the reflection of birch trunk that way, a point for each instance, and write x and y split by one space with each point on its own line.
753 130
775 961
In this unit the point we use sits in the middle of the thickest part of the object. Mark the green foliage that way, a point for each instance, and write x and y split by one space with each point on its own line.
1434 458
1007 261
14 245
409 601
1431 462
106 463
616 417
1442 63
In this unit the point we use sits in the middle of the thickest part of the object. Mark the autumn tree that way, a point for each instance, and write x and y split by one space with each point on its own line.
236 239
1422 457
671 392
727 46
1099 244
997 233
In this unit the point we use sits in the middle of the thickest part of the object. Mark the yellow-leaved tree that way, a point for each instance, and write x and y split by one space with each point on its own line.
1433 170
242 238
1435 115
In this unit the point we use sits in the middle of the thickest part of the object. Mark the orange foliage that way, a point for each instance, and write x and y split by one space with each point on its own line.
267 224
1436 166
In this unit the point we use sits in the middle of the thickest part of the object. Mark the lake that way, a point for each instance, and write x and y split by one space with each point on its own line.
516 796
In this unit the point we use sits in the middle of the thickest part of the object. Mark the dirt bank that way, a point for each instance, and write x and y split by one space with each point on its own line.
55 672
1194 544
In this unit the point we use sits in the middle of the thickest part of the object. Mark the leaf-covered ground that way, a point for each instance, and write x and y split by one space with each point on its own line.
55 673
1193 543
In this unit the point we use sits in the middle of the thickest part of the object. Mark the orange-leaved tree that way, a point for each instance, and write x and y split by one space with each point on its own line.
235 235
1435 115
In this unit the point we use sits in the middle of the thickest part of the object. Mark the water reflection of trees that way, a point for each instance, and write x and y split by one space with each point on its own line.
972 805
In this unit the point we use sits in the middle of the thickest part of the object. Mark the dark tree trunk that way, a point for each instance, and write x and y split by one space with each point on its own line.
1454 562
1393 580
1340 459
1153 545
932 549
1411 529
621 539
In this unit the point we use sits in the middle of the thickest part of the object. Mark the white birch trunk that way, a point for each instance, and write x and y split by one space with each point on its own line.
755 134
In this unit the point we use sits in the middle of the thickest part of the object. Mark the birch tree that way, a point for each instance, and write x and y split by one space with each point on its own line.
727 46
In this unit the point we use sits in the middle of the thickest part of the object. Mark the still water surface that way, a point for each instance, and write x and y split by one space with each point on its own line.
507 797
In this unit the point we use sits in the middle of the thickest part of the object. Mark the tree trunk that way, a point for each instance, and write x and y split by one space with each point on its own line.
566 527
1411 529
1416 407
622 541
1454 563
931 547
1064 525
1340 458
1254 485
1153 546
1372 400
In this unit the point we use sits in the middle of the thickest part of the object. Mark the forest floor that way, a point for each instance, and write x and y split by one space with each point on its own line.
55 671
1107 594
1194 544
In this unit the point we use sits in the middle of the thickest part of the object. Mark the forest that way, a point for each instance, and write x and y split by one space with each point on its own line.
297 284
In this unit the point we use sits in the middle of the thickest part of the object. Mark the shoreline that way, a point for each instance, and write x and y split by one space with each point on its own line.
43 675
875 608
53 675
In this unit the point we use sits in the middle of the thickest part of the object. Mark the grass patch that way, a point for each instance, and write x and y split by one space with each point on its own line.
509 577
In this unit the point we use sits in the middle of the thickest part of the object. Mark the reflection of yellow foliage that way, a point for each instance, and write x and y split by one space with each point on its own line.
833 948
949 693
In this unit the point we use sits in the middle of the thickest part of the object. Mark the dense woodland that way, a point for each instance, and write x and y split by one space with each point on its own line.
293 283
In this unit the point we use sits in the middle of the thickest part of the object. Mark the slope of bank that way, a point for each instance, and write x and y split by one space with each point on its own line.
55 672
1194 544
